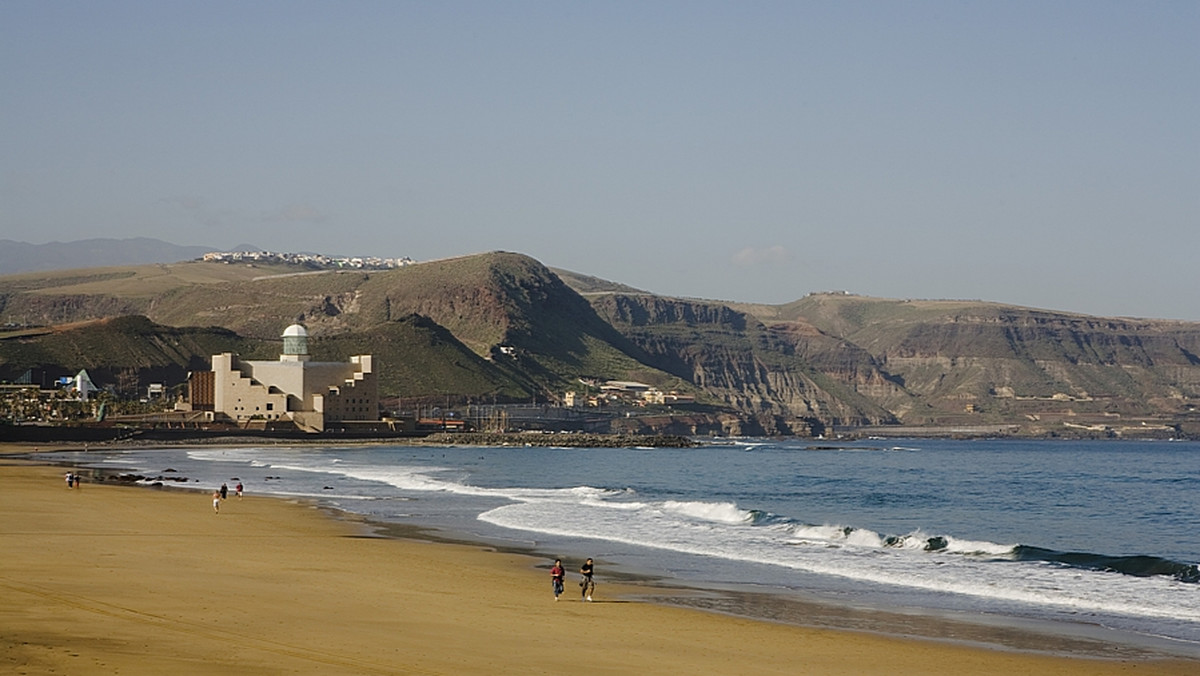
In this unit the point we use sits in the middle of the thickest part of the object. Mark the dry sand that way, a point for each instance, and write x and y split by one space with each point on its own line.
109 579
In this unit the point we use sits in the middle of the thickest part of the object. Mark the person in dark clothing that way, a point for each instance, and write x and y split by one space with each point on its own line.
587 585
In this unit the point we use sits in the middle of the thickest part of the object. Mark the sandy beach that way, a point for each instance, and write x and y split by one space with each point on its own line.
109 579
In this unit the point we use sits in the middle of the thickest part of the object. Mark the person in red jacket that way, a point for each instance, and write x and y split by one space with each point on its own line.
556 577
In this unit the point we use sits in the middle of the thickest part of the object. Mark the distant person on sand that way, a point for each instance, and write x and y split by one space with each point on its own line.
586 584
217 501
70 480
224 491
556 577
238 489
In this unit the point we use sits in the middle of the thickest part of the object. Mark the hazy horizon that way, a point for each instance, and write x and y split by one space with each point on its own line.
1036 154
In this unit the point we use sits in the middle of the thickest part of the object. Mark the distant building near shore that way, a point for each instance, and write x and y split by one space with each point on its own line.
83 385
626 386
310 395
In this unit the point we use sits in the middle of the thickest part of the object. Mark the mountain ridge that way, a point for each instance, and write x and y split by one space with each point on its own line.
17 257
524 330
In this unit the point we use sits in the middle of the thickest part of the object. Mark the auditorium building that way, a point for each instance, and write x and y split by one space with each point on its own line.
309 394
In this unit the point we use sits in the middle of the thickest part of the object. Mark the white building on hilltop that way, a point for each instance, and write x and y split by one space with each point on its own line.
310 394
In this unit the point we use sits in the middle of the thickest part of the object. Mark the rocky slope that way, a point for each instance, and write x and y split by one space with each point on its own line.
835 359
744 364
503 325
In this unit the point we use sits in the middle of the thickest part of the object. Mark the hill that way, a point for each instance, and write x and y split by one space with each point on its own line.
437 328
485 301
839 360
504 325
114 350
1008 362
742 362
64 296
416 357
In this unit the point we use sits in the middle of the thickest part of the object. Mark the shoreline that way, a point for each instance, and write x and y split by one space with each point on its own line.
921 632
516 439
989 632
992 632
301 576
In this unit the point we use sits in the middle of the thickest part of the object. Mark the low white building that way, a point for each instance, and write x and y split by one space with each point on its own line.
628 386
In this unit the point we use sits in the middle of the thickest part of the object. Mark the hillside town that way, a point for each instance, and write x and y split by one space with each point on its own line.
316 261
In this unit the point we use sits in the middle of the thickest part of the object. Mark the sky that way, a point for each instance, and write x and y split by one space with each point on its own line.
1040 153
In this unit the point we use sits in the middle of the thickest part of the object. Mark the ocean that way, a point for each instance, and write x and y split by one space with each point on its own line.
1070 534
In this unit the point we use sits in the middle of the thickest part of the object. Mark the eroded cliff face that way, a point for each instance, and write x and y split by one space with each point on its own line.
873 361
956 362
648 310
1044 358
736 360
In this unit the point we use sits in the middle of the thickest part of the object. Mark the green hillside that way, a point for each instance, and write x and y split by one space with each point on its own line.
416 357
437 327
114 346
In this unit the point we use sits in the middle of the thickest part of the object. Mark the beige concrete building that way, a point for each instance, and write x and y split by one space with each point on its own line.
312 395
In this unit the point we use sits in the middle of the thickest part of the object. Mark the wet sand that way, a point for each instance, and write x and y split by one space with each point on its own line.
115 579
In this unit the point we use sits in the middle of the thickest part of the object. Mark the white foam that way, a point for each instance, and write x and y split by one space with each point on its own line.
719 512
962 546
860 554
723 530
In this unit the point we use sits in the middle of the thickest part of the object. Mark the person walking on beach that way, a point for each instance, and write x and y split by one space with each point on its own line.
238 490
217 502
70 480
586 584
224 491
556 577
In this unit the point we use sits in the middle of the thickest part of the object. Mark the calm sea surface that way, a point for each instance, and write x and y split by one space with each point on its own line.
1097 533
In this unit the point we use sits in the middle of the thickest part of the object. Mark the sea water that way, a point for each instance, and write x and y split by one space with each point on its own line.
1102 534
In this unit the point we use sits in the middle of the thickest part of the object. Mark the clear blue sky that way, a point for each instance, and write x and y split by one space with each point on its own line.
1040 153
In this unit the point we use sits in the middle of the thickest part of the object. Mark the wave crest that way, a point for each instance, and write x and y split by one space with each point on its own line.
720 512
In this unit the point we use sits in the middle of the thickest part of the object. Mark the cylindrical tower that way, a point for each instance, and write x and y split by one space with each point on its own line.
295 344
